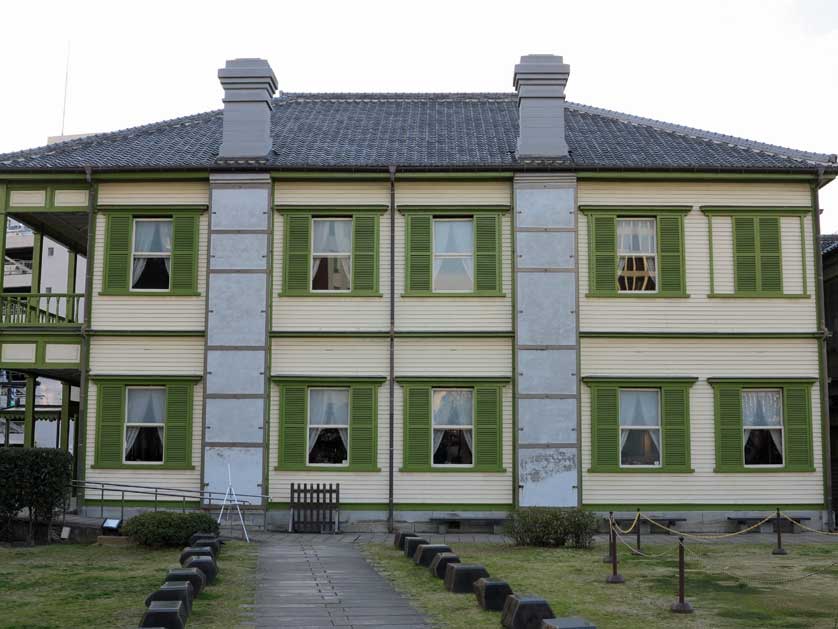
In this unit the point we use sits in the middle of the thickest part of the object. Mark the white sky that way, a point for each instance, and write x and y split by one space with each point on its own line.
760 69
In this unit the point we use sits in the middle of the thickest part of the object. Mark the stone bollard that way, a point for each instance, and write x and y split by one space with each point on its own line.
567 623
198 536
204 563
525 612
460 577
165 614
196 577
174 591
194 551
398 540
425 553
491 593
439 563
215 544
410 544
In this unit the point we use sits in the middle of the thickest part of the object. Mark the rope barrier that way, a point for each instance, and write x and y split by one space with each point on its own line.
807 528
629 529
707 537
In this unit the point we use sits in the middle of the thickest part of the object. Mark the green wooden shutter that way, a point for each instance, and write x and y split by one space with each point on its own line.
603 267
419 252
178 447
798 428
362 424
292 430
745 254
109 425
364 276
487 428
487 253
676 427
184 253
671 272
297 267
417 432
729 452
118 253
770 264
605 424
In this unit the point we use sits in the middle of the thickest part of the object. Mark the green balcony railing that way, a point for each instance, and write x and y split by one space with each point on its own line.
41 309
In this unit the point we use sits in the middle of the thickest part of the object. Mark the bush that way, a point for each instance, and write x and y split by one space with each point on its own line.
168 528
37 479
552 527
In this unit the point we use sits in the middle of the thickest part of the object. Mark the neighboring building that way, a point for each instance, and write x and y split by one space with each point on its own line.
444 302
829 253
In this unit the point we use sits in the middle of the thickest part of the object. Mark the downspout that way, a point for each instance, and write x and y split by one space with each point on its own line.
392 356
824 369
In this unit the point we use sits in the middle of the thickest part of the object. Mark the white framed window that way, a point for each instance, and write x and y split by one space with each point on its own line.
328 426
453 427
762 421
331 255
453 247
637 248
640 428
145 424
151 254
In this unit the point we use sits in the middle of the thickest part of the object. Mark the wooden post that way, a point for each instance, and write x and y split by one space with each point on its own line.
637 532
614 577
3 228
64 442
29 413
777 523
37 249
681 606
607 557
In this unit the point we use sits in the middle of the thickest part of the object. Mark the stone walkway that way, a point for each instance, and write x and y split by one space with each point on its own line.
324 581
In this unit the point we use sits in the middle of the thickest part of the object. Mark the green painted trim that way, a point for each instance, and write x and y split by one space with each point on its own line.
710 254
804 266
758 263
141 466
702 335
42 177
383 334
49 199
453 381
476 293
153 210
631 381
686 506
750 382
409 506
130 380
331 210
308 175
165 502
636 210
638 470
316 381
175 333
328 469
691 176
141 293
759 210
430 469
153 175
453 209
320 295
465 176
757 295
761 470
37 260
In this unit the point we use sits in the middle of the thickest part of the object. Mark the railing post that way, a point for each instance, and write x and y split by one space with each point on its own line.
779 550
183 504
637 532
102 502
122 506
614 577
155 499
681 606
607 557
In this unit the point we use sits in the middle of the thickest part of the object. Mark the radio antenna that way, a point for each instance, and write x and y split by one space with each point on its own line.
66 81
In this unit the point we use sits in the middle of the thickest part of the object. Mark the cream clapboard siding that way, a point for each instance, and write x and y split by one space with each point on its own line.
415 357
702 359
348 314
699 313
332 193
148 313
453 193
152 356
164 479
154 193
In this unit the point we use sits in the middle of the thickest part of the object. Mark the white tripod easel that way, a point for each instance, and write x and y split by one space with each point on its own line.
230 500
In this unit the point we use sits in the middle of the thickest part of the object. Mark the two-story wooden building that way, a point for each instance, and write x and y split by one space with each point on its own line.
444 302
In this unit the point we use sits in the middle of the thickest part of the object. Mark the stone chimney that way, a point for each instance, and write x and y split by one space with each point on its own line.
540 81
249 86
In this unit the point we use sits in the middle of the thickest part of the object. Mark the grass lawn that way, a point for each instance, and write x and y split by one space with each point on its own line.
61 586
731 585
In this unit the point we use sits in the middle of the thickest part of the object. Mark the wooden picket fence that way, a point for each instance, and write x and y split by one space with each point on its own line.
314 508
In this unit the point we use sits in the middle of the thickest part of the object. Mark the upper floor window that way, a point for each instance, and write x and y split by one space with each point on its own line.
145 424
453 269
328 426
152 254
331 254
762 421
637 249
453 421
640 428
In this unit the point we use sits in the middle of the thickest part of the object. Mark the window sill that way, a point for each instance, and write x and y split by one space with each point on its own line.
140 293
762 470
454 295
453 470
325 294
640 470
756 296
638 295
141 466
361 469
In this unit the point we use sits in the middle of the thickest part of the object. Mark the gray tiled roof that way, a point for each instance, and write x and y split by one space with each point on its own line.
829 243
420 131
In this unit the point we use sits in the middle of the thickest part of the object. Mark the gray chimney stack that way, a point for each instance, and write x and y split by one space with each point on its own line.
249 86
540 81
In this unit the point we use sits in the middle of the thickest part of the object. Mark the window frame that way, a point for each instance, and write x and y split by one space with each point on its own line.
126 423
434 255
619 254
782 428
659 427
309 426
134 253
313 254
456 466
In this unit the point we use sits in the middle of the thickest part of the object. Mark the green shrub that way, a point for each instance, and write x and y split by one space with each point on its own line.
168 528
538 526
37 479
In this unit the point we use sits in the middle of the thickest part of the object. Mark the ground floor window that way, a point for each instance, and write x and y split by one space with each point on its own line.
328 426
453 422
640 428
145 424
762 421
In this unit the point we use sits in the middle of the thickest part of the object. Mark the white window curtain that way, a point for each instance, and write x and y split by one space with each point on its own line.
146 406
636 236
328 408
452 408
339 271
453 255
452 237
763 410
438 435
639 409
150 237
131 433
331 236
